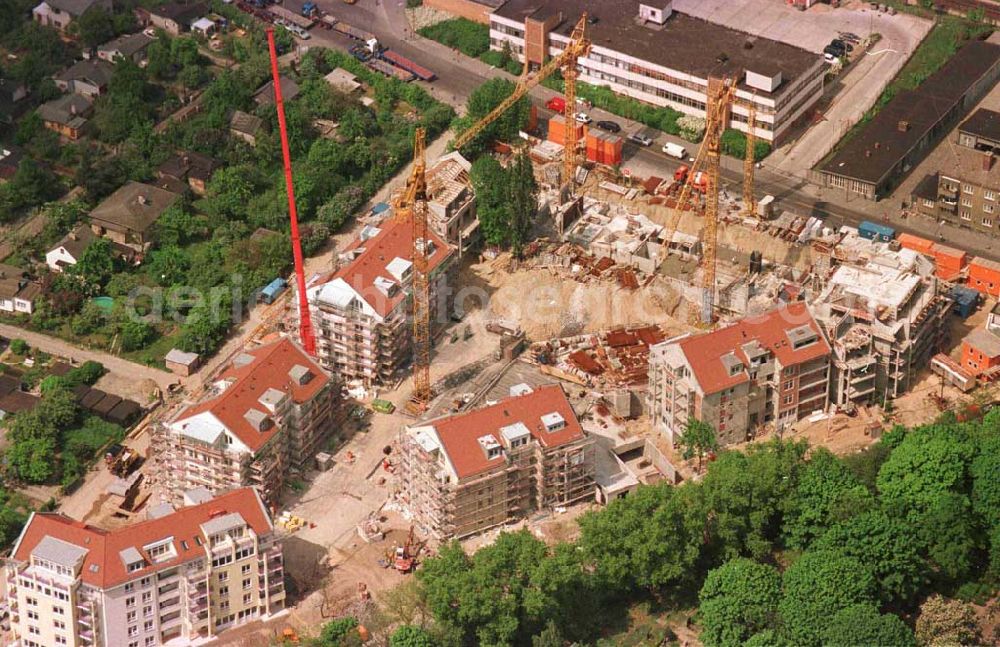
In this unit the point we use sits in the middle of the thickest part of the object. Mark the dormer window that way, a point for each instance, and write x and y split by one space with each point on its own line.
491 447
553 421
161 551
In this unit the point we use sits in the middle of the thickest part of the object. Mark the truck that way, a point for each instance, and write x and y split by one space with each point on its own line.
675 150
401 61
558 104
309 9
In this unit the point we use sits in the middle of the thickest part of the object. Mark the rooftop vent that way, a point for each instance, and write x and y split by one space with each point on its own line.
903 126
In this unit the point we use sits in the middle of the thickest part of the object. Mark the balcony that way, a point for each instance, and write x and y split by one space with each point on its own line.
167 604
87 636
197 607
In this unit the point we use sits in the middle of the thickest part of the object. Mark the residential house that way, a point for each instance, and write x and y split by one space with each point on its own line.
67 115
465 473
343 81
269 412
759 373
89 78
360 311
194 168
18 292
130 46
60 13
10 160
981 348
11 92
175 18
451 204
70 249
182 576
264 96
128 216
245 126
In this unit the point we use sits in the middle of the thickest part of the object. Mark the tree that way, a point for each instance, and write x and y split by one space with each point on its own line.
19 347
97 264
91 318
492 207
341 632
698 439
861 624
946 622
550 636
229 193
33 459
826 493
481 102
738 599
167 266
985 484
135 334
888 549
95 27
411 636
818 585
929 462
951 537
522 193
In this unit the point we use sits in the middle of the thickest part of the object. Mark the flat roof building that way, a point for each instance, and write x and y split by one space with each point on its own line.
650 52
880 155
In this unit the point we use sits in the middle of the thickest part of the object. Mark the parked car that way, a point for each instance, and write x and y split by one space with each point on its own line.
839 44
556 103
610 126
830 58
675 150
640 139
850 37
583 117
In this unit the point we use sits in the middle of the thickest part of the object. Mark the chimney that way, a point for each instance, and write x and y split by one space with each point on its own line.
877 145
903 125
143 199
988 161
72 109
868 153
72 235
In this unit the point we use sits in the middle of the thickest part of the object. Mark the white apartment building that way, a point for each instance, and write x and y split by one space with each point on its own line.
650 52
183 575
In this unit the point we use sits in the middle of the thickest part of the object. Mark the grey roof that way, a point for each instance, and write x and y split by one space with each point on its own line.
245 123
128 44
178 356
984 341
134 207
96 71
130 556
77 241
181 13
197 495
67 110
77 7
300 374
159 510
222 523
265 95
271 397
59 552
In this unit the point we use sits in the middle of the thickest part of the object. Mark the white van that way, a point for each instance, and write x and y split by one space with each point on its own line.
675 150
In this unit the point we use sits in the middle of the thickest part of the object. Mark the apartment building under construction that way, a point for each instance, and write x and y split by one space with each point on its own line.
759 373
183 576
361 311
471 471
269 412
884 312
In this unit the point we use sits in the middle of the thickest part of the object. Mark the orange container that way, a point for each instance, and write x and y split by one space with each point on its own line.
916 243
984 275
948 257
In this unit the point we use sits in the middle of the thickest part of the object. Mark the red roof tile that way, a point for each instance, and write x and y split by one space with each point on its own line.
705 352
459 434
269 370
103 546
394 240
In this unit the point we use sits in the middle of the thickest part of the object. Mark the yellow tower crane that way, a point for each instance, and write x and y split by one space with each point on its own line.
412 203
577 47
749 202
706 164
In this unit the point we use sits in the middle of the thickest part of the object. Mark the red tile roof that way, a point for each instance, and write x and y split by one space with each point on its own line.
269 370
394 240
705 352
459 434
104 546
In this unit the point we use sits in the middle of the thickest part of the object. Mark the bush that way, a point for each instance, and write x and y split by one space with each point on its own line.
19 347
734 144
470 38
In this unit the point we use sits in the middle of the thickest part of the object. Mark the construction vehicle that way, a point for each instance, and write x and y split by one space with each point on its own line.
577 47
406 555
123 464
309 9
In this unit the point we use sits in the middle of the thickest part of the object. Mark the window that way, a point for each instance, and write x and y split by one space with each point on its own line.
245 569
224 590
133 631
968 188
989 195
147 611
987 222
966 202
130 616
33 630
247 598
787 399
130 601
147 626
988 208
58 624
60 640
32 615
133 643
144 582
58 610
787 385
150 640
130 587
223 576
224 606
147 596
966 215
246 584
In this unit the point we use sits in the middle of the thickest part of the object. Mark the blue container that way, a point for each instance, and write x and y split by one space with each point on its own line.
875 231
965 300
273 290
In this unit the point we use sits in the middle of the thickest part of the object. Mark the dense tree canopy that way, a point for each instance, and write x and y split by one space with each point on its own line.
505 128
738 599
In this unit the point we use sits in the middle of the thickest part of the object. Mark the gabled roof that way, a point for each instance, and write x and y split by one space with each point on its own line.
243 122
181 12
250 377
460 434
265 95
96 71
68 110
361 278
134 207
189 164
712 354
76 7
128 44
103 566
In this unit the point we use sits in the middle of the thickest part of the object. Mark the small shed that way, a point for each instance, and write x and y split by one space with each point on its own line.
203 26
181 363
92 398
965 300
272 290
124 413
104 407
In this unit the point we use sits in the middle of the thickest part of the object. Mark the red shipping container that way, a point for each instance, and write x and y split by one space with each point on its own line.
984 275
916 243
949 257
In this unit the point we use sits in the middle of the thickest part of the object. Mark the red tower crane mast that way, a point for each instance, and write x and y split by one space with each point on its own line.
306 335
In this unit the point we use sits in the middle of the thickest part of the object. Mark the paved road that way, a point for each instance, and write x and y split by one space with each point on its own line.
55 346
460 75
